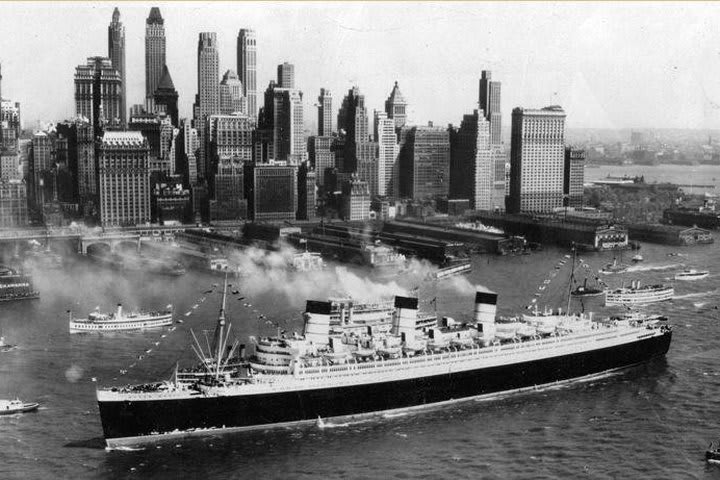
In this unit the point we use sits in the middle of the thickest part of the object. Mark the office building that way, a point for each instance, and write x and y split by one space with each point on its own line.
10 124
284 116
271 191
98 93
166 97
353 127
472 171
307 192
396 107
232 99
81 157
116 53
10 167
537 159
490 104
321 156
154 51
247 68
355 200
424 164
573 177
124 179
208 99
286 75
387 157
325 117
13 203
228 198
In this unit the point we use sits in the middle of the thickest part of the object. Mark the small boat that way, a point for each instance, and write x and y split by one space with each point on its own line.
614 267
712 454
585 291
637 258
6 347
8 407
691 274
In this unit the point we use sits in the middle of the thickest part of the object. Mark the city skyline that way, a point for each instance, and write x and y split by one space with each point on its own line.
580 56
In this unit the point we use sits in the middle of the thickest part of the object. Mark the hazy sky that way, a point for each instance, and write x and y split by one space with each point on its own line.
609 65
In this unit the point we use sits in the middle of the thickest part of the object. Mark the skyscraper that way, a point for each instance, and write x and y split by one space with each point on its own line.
472 171
387 154
98 89
116 52
325 119
490 104
573 177
286 75
166 97
232 99
208 91
288 126
124 179
247 68
271 191
425 163
396 107
154 50
537 159
353 121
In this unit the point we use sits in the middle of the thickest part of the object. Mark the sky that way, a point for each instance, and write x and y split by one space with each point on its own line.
609 65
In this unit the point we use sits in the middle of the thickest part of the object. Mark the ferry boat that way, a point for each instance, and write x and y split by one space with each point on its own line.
691 274
296 379
15 286
119 320
9 407
636 294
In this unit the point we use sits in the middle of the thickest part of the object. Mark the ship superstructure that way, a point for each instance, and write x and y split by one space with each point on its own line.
120 320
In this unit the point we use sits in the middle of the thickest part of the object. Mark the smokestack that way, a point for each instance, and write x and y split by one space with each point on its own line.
317 322
485 311
119 310
405 319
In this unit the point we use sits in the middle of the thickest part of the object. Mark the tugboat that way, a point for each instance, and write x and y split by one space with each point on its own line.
6 347
614 267
8 407
637 258
691 274
712 454
585 291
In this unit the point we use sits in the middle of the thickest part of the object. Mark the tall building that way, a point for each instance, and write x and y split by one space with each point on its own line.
166 97
13 204
247 68
353 126
41 162
286 75
116 52
472 171
490 104
321 156
228 202
231 146
573 177
154 51
1 120
325 119
537 159
424 163
187 154
288 125
271 190
10 168
208 91
307 198
396 107
124 179
81 157
98 93
10 124
355 200
232 99
387 154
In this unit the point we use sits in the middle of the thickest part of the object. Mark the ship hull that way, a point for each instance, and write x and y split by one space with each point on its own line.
128 422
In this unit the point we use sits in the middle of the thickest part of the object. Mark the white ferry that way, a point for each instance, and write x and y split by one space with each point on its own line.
119 320
691 274
636 294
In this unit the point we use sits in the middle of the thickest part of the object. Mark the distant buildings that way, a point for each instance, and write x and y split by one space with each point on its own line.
10 124
322 156
352 125
98 93
124 179
355 200
424 164
286 75
229 202
307 187
283 120
537 160
116 53
490 105
247 68
573 177
388 151
13 204
154 51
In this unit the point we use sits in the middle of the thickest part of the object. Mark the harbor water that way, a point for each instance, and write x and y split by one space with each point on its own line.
651 421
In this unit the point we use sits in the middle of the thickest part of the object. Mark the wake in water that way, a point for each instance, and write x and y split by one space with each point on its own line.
696 295
321 424
651 267
124 449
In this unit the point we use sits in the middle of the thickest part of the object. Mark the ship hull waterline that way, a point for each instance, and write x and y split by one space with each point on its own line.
137 422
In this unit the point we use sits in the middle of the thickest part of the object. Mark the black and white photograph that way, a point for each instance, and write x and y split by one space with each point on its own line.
359 240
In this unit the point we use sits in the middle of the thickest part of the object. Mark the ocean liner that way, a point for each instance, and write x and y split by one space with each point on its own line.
300 378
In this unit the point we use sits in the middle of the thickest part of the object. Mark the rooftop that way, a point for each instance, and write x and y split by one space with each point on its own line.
122 139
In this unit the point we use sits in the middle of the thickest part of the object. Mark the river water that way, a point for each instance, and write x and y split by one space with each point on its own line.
654 421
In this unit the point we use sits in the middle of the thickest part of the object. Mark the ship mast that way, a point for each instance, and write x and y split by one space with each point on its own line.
572 278
220 345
